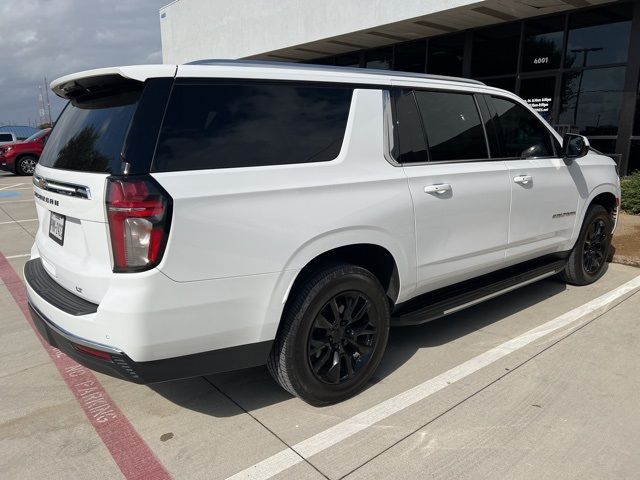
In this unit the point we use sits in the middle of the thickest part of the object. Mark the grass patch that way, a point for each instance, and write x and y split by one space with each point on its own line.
630 201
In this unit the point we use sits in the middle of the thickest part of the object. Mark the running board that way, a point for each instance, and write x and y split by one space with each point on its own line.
448 300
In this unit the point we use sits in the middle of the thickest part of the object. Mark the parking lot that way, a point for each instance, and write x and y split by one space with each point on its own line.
542 382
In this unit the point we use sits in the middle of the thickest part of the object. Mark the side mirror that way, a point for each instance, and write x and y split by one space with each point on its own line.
574 145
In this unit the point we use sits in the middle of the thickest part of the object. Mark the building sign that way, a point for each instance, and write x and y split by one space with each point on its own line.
539 92
540 60
542 105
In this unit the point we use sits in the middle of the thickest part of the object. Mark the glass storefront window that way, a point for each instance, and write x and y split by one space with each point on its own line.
505 83
381 58
445 55
591 100
539 93
351 59
604 145
598 37
322 61
410 57
495 50
634 157
636 118
543 44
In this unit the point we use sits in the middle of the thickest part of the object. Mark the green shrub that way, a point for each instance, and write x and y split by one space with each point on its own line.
630 201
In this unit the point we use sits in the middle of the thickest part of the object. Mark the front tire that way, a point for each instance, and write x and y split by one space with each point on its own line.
332 336
588 259
26 165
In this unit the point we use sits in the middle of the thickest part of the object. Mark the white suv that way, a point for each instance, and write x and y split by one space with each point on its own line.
220 215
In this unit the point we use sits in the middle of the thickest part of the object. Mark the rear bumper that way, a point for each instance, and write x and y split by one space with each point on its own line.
151 317
108 341
119 365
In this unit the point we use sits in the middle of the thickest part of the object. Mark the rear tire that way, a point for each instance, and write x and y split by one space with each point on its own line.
332 336
26 165
588 259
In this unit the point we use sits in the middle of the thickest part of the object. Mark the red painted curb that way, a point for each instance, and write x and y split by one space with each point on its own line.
130 452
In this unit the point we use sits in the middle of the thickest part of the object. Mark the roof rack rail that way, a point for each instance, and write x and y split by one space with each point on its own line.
308 66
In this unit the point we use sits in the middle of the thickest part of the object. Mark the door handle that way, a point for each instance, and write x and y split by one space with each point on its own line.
523 179
439 188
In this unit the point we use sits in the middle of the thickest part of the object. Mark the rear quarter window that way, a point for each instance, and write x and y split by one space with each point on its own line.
6 137
229 125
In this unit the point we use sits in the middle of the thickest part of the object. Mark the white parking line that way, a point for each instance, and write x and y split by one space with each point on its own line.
19 221
323 440
11 186
22 255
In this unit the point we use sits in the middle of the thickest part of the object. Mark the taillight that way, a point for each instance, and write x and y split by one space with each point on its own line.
139 215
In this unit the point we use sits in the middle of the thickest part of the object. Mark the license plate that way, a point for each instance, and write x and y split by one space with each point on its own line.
56 227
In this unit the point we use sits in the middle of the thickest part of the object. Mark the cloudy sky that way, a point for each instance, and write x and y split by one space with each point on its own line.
55 37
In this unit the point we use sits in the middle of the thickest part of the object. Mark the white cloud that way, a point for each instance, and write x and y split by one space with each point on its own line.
56 37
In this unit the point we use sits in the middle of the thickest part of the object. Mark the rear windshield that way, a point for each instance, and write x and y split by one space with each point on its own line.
90 133
220 125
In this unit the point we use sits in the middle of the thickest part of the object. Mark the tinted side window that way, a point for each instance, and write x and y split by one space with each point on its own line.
453 126
522 135
219 125
5 137
410 145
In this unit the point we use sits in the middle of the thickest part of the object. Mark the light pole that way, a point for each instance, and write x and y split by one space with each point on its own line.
41 112
46 92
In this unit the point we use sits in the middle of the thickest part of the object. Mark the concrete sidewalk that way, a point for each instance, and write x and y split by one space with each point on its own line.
568 412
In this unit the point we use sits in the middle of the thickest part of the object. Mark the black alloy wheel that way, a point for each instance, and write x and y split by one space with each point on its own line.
332 335
587 261
594 251
342 338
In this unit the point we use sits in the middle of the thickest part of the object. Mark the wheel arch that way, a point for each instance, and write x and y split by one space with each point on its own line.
27 154
372 257
607 199
606 195
371 248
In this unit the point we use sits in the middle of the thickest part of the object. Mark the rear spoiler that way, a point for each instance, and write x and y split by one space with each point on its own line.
100 80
